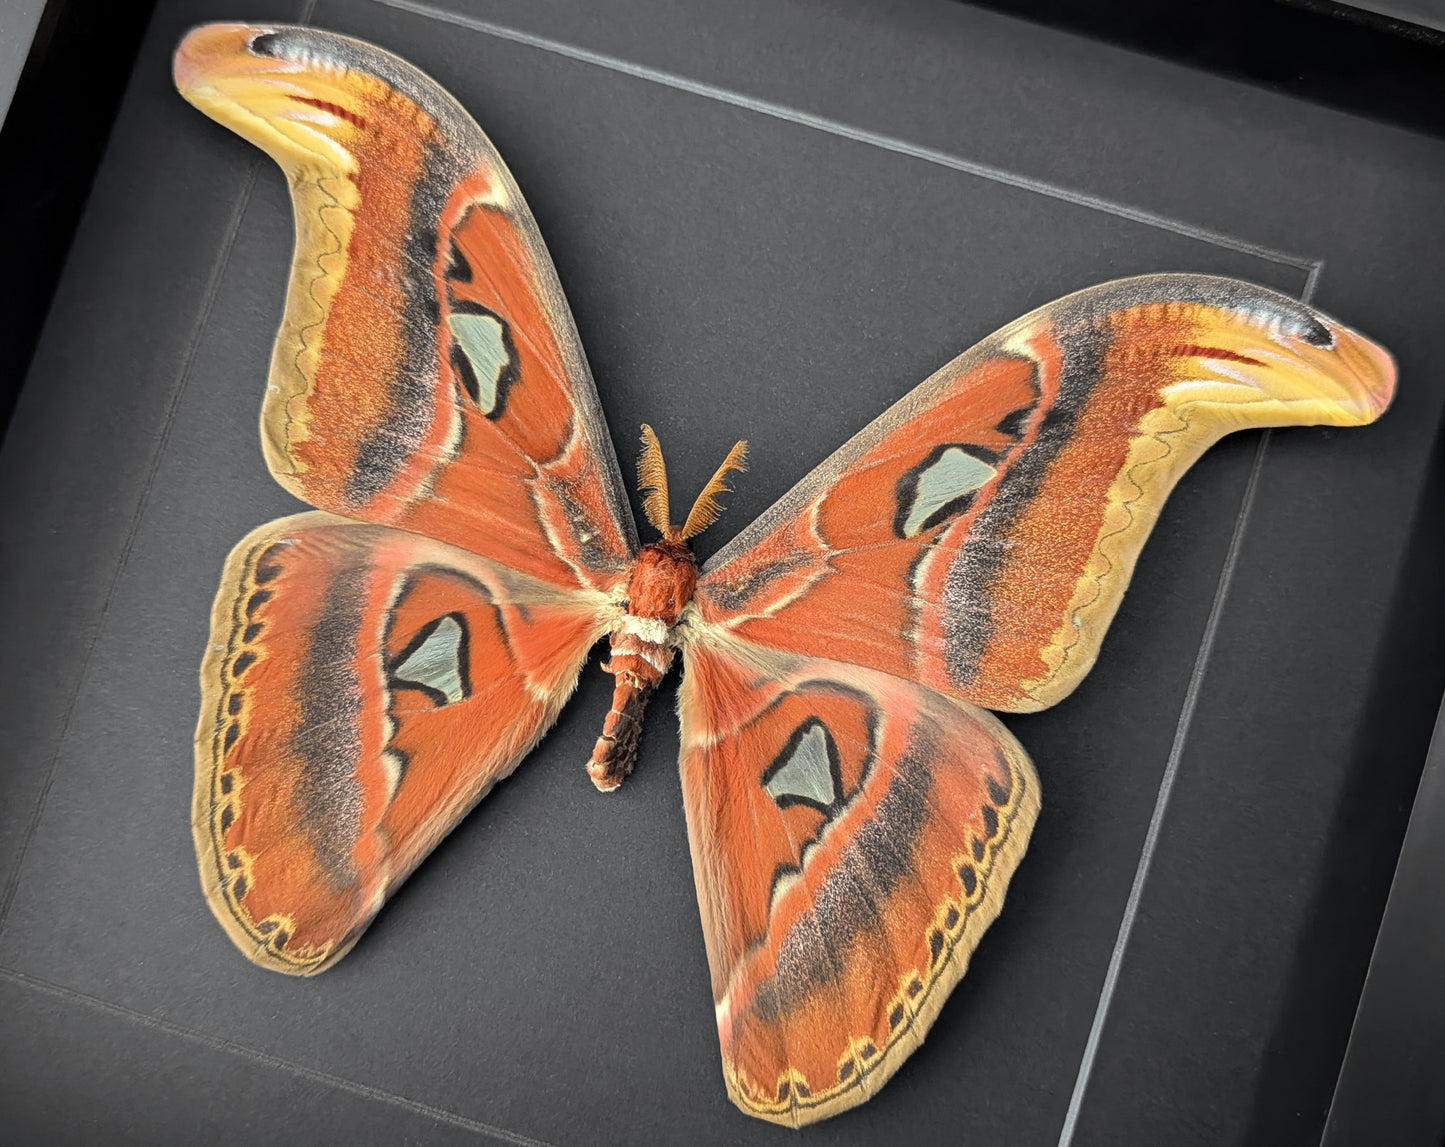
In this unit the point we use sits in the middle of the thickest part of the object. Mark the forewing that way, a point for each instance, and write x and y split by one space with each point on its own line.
979 535
427 373
363 689
852 836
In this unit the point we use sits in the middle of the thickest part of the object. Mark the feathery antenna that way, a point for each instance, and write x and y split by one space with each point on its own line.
652 480
706 509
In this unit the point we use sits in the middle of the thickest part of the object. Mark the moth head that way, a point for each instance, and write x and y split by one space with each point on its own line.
652 479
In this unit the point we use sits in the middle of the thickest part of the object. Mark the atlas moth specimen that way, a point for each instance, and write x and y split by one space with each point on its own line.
853 810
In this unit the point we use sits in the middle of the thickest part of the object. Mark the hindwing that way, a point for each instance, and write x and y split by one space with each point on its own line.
363 689
852 837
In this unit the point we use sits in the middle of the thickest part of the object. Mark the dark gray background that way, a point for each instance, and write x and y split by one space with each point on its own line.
771 220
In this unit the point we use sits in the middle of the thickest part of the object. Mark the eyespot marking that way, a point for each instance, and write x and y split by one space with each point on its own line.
482 356
940 487
807 771
436 661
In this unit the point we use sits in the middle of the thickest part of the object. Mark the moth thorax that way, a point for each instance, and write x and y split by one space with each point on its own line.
662 582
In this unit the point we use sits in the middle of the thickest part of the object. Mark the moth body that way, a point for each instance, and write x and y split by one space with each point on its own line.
642 651
663 579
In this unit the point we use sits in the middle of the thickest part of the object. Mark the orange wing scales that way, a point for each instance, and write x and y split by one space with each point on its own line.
363 689
979 536
872 827
427 373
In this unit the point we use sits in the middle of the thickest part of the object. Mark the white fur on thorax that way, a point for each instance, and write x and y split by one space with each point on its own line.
650 629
